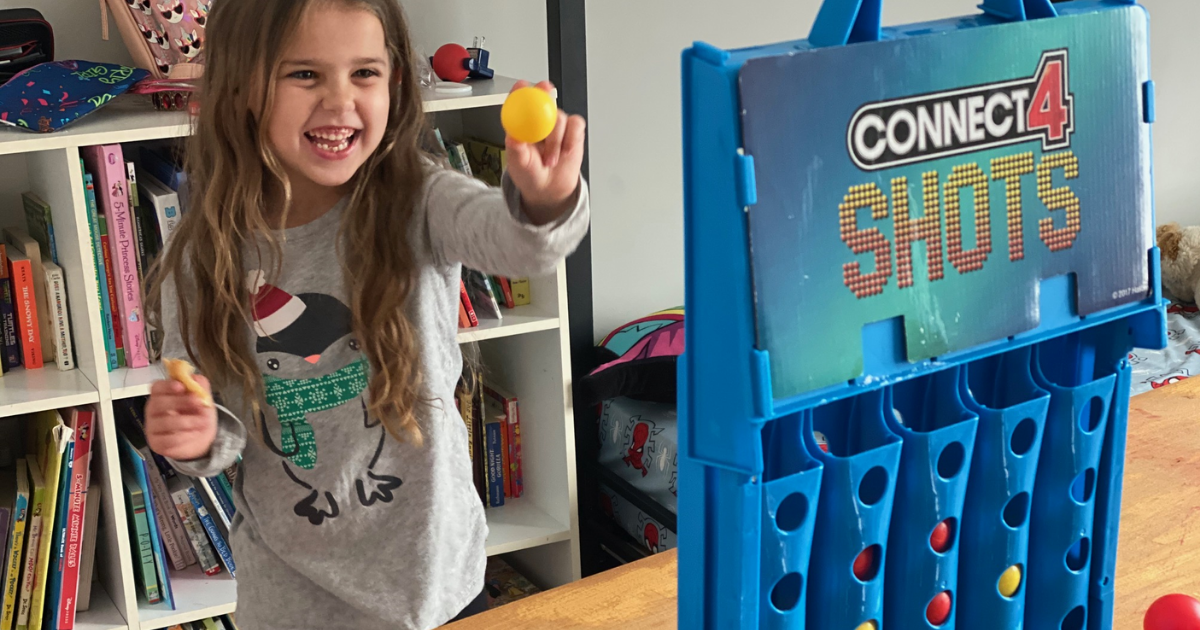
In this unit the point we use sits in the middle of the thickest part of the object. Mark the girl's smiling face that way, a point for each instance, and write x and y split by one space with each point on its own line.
332 97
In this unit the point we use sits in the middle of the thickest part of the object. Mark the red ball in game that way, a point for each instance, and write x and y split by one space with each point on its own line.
866 564
1173 612
938 610
940 538
449 63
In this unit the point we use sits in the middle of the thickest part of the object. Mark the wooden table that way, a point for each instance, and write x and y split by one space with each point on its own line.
1159 547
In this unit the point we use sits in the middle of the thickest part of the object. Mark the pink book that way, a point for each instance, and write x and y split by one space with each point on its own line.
107 165
80 478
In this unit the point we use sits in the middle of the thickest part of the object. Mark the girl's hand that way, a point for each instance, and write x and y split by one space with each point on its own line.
547 173
178 424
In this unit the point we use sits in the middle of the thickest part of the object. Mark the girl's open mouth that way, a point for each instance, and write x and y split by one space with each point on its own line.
333 141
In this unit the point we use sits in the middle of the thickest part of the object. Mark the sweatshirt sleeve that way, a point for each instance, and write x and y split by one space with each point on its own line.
486 229
231 433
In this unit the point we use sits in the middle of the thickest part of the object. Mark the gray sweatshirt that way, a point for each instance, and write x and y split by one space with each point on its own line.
339 525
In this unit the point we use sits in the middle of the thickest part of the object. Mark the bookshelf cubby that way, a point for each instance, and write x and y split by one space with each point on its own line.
527 352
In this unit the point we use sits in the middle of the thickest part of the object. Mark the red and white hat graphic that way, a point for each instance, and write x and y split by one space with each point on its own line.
274 308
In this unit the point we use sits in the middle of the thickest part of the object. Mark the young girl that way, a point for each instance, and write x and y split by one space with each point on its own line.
315 282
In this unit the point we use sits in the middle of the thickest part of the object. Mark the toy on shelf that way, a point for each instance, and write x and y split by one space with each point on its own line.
1173 612
455 63
905 407
529 114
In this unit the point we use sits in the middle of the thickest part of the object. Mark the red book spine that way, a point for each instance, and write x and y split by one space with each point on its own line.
463 320
506 289
25 304
114 314
466 301
79 483
514 447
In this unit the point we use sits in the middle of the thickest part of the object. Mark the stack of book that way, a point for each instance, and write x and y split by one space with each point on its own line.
493 420
49 510
133 209
34 320
175 521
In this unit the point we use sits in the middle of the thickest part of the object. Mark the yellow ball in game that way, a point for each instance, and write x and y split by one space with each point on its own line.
868 625
529 114
1010 581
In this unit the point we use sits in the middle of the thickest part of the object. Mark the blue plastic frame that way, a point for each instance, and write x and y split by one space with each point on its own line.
743 466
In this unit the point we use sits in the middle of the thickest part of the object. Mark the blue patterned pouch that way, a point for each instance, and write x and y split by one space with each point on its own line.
50 96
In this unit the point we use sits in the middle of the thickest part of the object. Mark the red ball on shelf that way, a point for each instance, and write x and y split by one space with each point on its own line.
1173 612
450 63
938 610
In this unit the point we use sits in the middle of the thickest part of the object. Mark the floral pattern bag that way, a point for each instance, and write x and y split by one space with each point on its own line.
165 37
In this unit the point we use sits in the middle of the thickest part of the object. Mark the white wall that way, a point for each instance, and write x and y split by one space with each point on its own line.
634 125
515 30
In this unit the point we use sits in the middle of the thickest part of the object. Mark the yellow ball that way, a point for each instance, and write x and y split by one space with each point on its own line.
868 625
529 114
1010 581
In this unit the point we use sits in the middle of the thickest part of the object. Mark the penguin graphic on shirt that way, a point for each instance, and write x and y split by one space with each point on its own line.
312 365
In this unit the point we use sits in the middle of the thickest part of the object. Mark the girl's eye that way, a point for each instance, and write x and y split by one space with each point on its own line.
366 73
303 75
354 344
273 364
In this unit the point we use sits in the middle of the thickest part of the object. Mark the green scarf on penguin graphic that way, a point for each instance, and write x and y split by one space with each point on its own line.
296 331
294 399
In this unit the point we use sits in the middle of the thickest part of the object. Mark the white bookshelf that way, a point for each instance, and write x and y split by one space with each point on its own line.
527 352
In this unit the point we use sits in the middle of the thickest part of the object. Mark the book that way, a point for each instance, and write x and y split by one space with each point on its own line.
39 222
472 318
205 553
480 292
54 579
460 152
520 291
224 492
167 171
488 161
8 503
510 408
134 461
139 533
214 534
60 315
87 562
214 504
51 440
110 282
20 241
495 463
82 423
97 248
16 544
37 508
20 271
8 318
170 526
505 291
108 163
164 201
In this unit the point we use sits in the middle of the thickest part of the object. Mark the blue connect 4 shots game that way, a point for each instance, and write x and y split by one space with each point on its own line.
917 258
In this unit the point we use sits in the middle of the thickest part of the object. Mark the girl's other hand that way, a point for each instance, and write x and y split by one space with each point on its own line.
547 173
178 424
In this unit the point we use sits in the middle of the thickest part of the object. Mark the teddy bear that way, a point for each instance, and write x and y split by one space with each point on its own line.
1179 248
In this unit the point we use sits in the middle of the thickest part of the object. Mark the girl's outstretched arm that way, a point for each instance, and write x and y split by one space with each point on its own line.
528 225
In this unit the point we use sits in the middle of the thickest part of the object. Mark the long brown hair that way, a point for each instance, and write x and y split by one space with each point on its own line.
232 167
